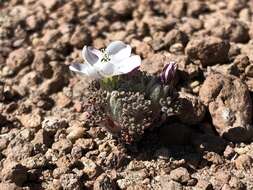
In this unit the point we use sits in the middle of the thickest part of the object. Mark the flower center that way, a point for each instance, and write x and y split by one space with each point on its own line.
105 57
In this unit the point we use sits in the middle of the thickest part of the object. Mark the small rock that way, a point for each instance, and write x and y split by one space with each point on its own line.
214 158
243 162
227 28
209 50
52 124
195 8
75 132
180 175
41 64
33 22
77 152
34 162
31 120
9 186
80 37
3 143
50 37
90 168
50 4
178 8
176 36
104 182
86 144
53 85
64 146
14 172
241 62
142 48
132 178
70 182
236 183
192 110
172 185
230 106
62 100
122 7
165 182
236 5
203 185
154 63
19 58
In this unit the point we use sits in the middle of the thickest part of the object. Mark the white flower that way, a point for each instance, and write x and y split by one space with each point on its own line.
116 59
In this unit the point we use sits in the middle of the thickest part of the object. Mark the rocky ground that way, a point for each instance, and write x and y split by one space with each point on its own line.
45 139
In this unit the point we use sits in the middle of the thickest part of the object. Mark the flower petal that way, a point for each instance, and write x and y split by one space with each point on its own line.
105 69
127 65
91 55
85 69
118 50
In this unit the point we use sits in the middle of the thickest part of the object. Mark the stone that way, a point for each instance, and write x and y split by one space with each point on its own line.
177 8
172 185
70 181
192 110
41 64
203 185
53 85
19 58
236 183
62 100
176 36
104 182
86 144
31 120
180 175
208 50
52 124
3 143
75 132
50 4
195 8
244 162
236 5
153 64
80 37
64 146
90 168
230 106
14 172
9 186
227 28
122 8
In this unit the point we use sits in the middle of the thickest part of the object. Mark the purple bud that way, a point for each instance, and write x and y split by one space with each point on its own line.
168 73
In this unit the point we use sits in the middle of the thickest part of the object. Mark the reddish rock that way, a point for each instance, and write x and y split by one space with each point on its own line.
208 50
230 106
